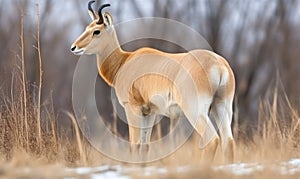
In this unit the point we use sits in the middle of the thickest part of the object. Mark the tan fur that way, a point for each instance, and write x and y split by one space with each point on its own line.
144 97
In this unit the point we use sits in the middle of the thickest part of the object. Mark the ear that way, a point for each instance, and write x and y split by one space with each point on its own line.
108 20
93 15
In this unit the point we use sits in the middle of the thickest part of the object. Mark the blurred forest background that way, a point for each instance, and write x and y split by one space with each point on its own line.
259 38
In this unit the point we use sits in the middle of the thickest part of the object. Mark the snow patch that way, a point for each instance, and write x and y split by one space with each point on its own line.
241 168
290 167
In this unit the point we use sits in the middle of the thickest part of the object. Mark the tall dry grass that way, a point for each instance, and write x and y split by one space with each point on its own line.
276 135
29 127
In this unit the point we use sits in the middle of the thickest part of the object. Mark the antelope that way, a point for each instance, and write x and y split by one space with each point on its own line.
144 97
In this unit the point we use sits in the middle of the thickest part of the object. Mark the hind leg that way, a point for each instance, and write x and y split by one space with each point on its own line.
209 139
196 110
221 112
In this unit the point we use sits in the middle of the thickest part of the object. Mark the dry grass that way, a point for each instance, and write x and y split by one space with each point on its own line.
23 129
277 134
29 143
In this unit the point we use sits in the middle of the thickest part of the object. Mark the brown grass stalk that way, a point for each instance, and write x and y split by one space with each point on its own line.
78 139
24 86
38 48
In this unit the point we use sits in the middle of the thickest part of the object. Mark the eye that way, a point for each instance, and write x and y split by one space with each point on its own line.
96 32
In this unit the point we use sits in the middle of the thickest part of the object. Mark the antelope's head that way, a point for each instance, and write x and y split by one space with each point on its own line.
97 34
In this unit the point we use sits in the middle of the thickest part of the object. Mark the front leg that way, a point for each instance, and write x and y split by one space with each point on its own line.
140 129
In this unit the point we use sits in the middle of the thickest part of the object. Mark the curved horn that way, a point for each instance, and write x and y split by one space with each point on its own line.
100 13
91 9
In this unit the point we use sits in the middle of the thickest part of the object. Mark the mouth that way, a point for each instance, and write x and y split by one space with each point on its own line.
79 52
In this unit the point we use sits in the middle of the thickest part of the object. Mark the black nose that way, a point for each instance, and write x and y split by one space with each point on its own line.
73 48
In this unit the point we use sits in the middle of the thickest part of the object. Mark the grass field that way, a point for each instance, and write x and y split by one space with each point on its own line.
271 152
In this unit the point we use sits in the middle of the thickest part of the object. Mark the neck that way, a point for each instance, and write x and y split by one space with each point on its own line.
110 60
